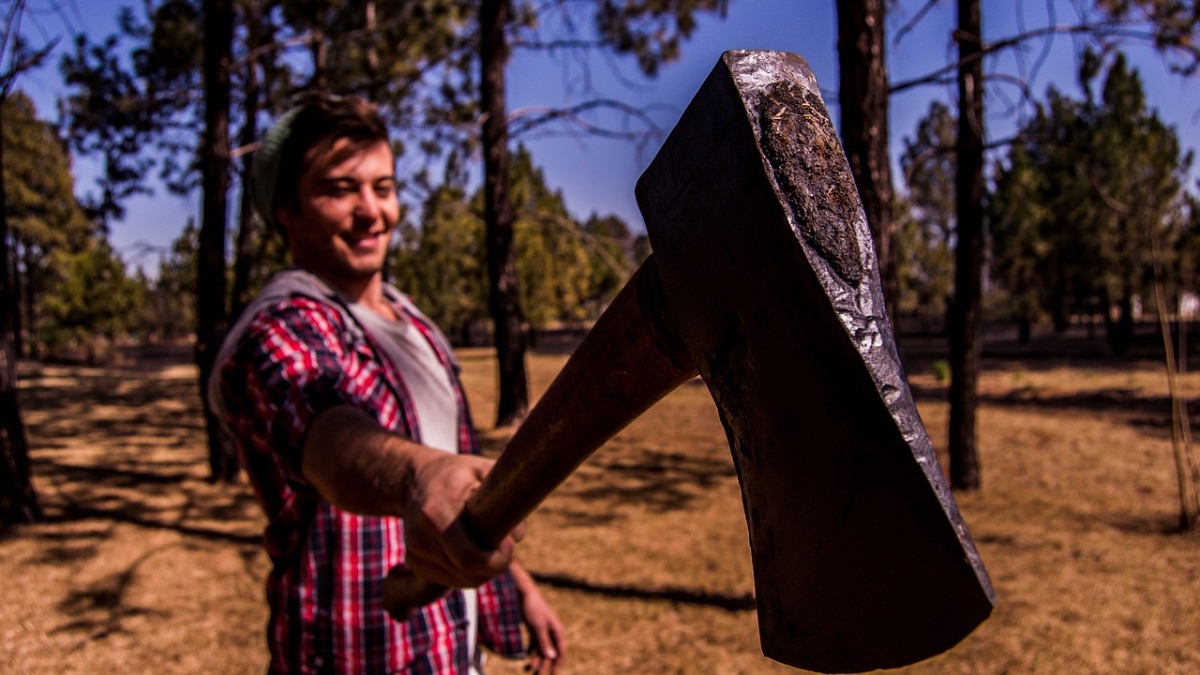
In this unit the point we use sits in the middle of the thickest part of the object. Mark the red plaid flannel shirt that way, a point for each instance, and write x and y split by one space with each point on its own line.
297 358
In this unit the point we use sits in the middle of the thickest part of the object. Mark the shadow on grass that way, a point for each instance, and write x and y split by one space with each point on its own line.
622 475
124 446
729 603
114 448
101 608
1150 413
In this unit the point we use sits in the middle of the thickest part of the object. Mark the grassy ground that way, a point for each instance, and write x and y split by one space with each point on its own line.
144 567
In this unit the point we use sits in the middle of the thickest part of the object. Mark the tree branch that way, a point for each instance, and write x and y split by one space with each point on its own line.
1106 30
912 23
526 120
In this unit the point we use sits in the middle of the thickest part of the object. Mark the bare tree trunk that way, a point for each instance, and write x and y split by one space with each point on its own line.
18 293
211 317
31 298
863 95
966 319
18 500
243 260
373 83
504 301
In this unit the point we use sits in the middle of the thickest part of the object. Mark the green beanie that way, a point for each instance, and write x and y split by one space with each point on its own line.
266 166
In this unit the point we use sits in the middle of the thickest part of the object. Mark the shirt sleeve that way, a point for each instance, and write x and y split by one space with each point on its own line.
294 361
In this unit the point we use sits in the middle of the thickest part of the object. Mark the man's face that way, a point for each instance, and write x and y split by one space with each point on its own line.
345 213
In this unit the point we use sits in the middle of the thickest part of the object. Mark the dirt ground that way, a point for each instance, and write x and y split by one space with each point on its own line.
144 567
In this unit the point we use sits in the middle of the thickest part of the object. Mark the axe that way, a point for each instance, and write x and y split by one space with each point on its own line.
764 281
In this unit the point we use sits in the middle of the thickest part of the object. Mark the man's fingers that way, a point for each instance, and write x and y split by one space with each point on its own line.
451 558
475 559
519 532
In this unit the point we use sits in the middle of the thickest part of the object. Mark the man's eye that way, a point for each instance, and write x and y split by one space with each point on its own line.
385 190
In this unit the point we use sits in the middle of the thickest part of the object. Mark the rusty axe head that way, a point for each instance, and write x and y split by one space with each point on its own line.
770 285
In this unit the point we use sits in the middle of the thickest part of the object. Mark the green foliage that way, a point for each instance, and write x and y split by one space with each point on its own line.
567 271
1087 206
167 311
44 219
442 265
652 30
39 188
110 114
925 225
1021 251
941 371
1174 26
551 261
93 297
611 257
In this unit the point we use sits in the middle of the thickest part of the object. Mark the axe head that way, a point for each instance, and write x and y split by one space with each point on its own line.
770 285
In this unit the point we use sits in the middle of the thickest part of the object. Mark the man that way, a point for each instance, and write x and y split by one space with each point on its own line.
346 408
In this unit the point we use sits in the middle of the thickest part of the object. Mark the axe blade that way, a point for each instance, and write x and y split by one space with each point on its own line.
769 281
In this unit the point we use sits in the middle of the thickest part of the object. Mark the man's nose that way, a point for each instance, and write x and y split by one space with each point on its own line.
368 206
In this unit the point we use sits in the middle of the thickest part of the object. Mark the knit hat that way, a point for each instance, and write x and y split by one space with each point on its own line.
266 166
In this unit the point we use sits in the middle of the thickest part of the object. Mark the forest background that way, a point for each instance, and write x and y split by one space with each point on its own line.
1061 194
1044 206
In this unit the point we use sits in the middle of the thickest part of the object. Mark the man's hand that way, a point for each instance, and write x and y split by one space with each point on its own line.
437 546
358 466
545 629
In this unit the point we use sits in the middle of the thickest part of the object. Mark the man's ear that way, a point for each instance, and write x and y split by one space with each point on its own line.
287 219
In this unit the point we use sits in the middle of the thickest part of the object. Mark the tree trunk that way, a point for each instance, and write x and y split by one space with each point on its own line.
504 301
18 500
966 319
1024 330
863 95
243 260
1119 332
18 292
31 297
211 317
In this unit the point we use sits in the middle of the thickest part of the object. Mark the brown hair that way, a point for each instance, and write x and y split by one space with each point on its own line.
322 119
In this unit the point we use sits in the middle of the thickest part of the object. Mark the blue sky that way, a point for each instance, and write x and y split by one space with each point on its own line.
598 175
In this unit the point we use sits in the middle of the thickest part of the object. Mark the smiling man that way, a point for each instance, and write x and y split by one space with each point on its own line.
347 411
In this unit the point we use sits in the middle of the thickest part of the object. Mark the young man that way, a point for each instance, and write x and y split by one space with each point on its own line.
345 405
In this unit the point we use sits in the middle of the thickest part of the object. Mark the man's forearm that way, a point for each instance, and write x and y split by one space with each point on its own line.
359 466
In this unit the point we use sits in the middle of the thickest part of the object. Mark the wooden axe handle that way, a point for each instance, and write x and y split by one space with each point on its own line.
626 363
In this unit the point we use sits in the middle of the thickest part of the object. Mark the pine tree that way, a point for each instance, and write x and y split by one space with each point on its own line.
18 500
924 257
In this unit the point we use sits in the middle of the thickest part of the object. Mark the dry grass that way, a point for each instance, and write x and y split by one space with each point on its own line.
146 568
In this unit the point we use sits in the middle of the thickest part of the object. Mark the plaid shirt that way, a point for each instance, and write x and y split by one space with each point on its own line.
296 358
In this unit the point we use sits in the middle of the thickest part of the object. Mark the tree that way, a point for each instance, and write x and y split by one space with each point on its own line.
212 317
443 264
1135 170
924 258
1173 27
650 30
168 308
1020 247
611 258
92 298
1086 199
1171 24
44 217
966 319
863 96
18 500
551 258
504 295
